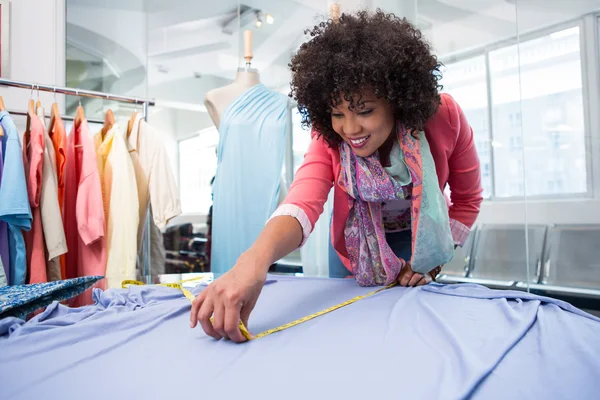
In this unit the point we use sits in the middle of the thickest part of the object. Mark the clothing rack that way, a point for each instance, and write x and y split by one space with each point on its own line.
63 117
146 252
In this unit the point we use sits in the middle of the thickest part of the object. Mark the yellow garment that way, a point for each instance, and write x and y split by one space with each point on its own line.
120 201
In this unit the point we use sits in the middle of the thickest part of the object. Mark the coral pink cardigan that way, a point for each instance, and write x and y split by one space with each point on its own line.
451 141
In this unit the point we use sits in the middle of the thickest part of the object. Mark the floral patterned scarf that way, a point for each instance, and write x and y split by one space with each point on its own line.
368 185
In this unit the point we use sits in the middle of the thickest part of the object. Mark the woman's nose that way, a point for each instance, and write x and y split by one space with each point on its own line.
351 127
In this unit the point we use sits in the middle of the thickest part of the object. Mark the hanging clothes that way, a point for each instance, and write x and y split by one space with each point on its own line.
57 133
249 162
155 184
14 203
54 233
4 255
83 211
33 160
121 209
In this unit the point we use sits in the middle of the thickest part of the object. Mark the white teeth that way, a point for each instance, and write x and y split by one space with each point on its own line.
358 141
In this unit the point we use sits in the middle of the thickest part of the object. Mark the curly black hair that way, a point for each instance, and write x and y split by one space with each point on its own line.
372 50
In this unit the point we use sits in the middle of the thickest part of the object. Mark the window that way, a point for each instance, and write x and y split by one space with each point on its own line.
301 139
466 82
197 167
549 96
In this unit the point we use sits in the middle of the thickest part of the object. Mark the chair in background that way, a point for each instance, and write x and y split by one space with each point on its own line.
572 261
457 269
500 255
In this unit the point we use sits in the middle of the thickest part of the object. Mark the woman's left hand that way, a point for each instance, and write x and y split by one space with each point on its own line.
408 277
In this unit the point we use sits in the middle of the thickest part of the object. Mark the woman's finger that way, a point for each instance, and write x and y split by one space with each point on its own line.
405 275
206 311
218 321
414 280
196 304
232 324
423 281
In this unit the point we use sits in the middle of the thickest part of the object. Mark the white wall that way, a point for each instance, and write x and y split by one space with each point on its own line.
37 49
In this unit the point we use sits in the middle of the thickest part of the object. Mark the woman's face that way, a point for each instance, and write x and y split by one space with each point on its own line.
367 126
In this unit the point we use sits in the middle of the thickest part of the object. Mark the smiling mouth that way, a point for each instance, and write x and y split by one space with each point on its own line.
359 142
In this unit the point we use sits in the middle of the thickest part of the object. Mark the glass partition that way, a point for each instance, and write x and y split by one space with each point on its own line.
525 74
559 73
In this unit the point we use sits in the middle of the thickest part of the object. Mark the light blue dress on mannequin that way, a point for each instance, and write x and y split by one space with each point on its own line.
252 140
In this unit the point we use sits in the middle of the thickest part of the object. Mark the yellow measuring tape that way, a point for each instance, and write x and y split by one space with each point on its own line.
243 328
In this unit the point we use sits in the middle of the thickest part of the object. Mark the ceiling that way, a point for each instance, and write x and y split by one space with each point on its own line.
180 49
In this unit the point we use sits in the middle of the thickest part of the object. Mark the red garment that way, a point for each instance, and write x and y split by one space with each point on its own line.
457 164
33 160
83 213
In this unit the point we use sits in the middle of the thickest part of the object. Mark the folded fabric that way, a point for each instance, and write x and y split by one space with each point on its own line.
21 300
433 342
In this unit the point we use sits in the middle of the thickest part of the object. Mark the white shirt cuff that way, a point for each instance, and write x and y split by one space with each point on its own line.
298 213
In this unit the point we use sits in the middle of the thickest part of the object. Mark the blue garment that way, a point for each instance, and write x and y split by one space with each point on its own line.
4 254
21 300
400 243
252 139
430 342
14 203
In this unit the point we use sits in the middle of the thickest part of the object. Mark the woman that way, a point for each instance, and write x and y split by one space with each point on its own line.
388 143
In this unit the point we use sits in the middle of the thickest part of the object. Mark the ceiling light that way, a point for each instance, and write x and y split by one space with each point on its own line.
258 23
269 18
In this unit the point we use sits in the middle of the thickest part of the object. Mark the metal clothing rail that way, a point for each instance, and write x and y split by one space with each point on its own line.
146 252
63 117
75 92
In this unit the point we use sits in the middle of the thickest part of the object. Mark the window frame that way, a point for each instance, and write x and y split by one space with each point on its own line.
589 42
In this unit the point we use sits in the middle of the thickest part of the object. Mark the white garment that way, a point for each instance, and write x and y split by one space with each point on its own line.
52 224
155 180
120 200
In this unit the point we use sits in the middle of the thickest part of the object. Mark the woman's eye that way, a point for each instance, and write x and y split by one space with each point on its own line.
365 112
336 115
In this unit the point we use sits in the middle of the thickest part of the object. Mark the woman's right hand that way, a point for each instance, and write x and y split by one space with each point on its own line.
229 299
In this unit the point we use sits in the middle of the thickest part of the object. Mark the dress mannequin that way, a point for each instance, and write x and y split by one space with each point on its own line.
217 100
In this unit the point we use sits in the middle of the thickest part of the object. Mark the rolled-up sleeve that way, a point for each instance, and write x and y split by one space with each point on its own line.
310 188
464 177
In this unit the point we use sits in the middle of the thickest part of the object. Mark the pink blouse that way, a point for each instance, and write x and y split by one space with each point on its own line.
457 164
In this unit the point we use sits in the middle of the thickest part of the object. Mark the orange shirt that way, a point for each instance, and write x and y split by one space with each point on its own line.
33 159
59 141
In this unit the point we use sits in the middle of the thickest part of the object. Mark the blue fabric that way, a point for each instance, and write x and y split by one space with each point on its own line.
14 203
21 300
431 342
252 138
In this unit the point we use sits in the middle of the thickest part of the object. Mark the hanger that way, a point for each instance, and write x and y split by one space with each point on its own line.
109 121
79 114
30 112
38 104
53 114
132 120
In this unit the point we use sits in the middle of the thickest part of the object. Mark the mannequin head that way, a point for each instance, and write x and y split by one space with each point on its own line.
365 56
